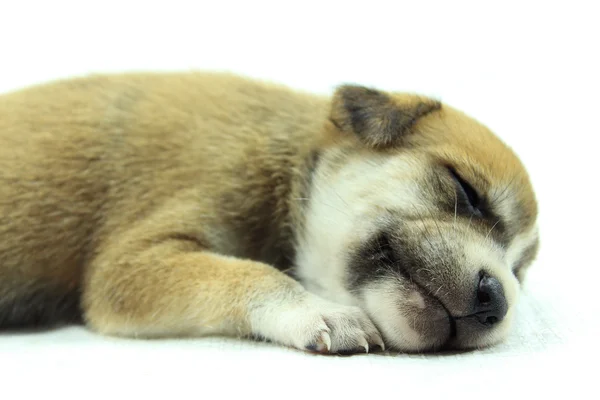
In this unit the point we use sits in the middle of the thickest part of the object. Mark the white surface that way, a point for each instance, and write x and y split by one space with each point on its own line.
527 70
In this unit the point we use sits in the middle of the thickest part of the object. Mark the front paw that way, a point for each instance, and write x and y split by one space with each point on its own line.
317 325
338 329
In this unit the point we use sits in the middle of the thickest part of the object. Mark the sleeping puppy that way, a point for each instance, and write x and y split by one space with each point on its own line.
193 204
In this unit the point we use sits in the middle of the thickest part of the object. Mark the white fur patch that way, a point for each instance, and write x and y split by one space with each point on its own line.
416 299
342 213
395 328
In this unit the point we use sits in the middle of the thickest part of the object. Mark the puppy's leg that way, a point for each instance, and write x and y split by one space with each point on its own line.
153 281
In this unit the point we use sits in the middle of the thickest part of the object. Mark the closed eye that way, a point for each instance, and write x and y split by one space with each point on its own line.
466 192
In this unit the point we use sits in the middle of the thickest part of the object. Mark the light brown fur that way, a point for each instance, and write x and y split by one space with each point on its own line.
89 218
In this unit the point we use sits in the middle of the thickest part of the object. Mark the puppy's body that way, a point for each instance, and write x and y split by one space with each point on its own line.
167 204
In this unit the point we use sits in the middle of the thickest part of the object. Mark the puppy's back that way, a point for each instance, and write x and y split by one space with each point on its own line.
81 158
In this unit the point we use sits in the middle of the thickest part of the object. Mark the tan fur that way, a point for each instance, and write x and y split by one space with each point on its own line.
139 183
165 199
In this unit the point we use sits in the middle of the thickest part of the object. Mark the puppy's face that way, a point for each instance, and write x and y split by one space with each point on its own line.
422 217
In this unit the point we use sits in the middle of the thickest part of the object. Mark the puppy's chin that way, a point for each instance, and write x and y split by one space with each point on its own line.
408 320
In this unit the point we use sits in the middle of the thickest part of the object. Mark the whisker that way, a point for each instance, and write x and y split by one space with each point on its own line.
491 229
427 234
444 238
323 203
498 197
340 197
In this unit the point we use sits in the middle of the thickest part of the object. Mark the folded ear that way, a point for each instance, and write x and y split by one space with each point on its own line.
377 118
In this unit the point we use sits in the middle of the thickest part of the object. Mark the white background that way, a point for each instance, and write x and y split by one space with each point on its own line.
529 70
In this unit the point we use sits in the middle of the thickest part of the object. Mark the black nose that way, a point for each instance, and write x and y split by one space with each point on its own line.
490 304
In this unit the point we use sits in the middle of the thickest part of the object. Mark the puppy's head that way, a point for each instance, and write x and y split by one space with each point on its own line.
421 216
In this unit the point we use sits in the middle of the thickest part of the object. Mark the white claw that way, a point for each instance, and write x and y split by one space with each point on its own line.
381 344
365 344
326 340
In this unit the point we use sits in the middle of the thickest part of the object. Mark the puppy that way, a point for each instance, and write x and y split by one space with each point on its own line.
192 204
